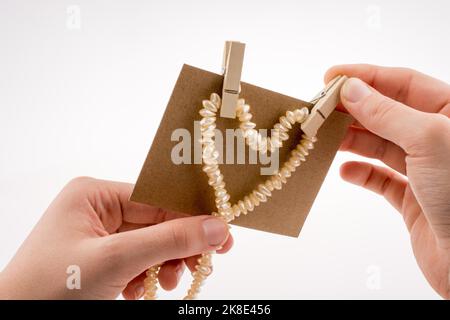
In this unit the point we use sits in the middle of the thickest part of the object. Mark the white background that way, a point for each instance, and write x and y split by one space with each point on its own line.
87 101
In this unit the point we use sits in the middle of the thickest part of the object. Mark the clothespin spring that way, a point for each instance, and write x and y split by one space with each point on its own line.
324 104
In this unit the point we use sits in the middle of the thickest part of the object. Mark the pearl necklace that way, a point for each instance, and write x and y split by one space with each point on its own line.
262 192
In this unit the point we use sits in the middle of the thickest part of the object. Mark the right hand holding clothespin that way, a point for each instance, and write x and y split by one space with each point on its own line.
324 104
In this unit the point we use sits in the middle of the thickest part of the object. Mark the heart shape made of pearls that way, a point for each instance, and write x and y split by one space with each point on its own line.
256 142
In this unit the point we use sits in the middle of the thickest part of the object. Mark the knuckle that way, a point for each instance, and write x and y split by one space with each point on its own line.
180 237
433 131
161 214
80 181
385 185
436 126
406 71
368 180
380 109
380 150
75 192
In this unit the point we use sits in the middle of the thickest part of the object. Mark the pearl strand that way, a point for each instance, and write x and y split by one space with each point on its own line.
280 131
256 142
202 270
150 282
260 194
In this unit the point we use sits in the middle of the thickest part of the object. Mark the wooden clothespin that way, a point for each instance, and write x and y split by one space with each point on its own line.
324 104
233 60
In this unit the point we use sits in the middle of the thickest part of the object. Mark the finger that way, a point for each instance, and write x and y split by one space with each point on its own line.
340 107
226 246
381 180
191 262
135 288
405 85
170 273
366 144
127 226
168 277
141 213
356 124
133 251
385 117
137 212
110 201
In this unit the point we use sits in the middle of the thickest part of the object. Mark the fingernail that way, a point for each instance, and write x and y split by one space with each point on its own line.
216 231
139 292
355 90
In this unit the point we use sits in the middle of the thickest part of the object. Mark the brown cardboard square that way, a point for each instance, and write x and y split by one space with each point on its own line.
184 187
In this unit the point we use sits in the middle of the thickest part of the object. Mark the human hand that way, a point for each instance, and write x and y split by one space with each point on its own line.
91 224
403 120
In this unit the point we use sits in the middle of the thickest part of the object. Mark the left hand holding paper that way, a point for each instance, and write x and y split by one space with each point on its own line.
92 243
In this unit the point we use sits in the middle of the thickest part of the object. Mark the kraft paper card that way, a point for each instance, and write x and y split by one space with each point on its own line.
184 187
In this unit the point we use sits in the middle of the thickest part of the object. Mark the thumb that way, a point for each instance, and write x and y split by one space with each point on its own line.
132 252
384 116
